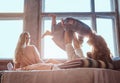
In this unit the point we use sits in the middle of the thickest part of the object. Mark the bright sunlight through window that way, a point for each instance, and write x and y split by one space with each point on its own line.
51 50
10 26
9 33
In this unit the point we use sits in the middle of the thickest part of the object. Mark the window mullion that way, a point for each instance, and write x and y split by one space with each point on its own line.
117 35
93 15
92 5
94 22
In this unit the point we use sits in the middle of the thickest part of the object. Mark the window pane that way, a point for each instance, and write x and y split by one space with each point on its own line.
51 50
67 6
103 5
11 5
105 29
9 33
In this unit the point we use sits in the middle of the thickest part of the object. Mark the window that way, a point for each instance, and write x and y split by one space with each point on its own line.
100 18
11 6
9 33
11 25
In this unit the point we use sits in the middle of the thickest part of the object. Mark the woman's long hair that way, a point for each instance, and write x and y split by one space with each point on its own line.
100 49
22 42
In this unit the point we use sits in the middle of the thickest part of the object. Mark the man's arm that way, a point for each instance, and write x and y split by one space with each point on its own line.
77 46
68 46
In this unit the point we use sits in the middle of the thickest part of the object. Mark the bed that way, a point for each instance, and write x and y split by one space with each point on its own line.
77 71
73 75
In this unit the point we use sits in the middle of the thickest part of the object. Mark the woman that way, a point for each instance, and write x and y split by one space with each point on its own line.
25 54
100 50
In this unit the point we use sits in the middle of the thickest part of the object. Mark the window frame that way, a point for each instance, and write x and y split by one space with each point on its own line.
94 15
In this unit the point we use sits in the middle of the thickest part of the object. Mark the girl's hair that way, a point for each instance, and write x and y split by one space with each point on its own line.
22 42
